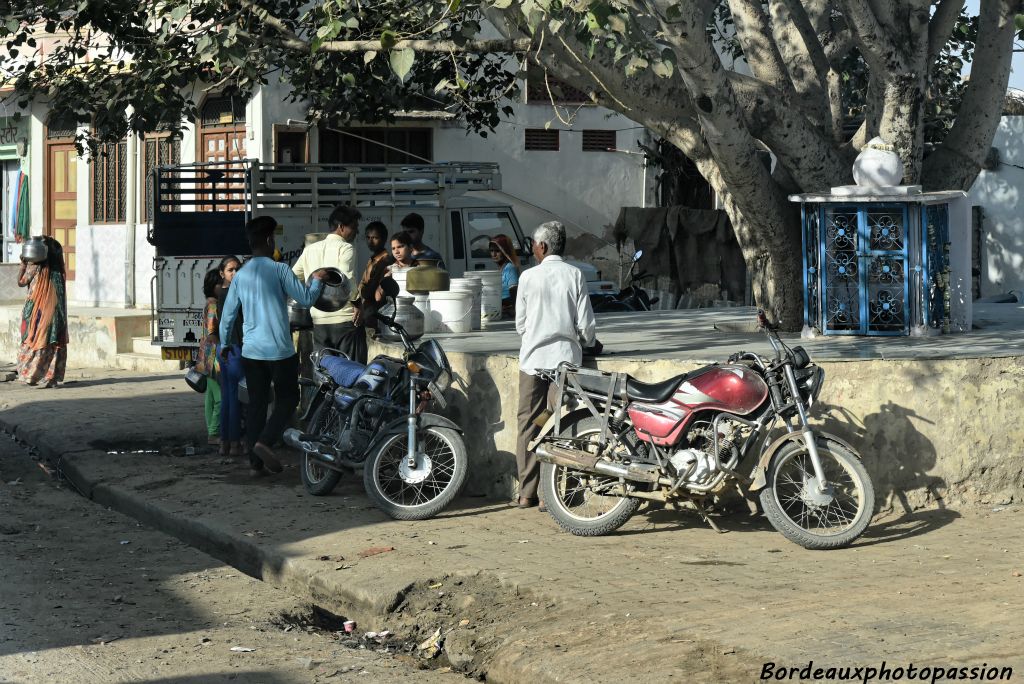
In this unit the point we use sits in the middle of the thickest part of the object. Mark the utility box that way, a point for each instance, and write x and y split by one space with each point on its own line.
895 261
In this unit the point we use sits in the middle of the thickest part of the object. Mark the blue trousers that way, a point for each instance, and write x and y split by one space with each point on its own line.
231 373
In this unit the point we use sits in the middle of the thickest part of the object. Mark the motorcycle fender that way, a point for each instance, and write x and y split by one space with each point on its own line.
314 403
759 476
400 425
567 414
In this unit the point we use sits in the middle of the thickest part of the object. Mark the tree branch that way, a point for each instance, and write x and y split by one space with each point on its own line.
804 56
941 27
955 164
870 33
760 50
813 160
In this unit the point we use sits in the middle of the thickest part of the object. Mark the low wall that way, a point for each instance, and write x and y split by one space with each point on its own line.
932 433
95 338
9 290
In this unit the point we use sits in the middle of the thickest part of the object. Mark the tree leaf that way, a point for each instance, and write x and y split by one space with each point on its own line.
402 61
368 56
635 64
501 4
388 39
663 68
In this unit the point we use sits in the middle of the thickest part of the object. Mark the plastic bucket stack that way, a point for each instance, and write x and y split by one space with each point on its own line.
490 296
421 301
451 311
473 286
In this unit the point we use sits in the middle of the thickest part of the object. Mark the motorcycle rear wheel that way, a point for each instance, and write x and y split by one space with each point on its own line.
807 517
570 497
318 479
441 481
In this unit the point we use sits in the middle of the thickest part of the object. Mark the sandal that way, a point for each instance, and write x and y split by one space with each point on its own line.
528 502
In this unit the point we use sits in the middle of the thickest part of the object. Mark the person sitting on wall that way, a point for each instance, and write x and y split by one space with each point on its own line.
413 224
260 291
336 329
504 255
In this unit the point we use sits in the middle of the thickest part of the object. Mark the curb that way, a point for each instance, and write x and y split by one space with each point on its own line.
364 602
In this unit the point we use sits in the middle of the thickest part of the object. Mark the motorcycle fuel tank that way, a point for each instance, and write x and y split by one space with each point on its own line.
731 388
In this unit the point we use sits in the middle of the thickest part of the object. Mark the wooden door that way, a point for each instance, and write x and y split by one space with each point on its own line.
62 199
224 145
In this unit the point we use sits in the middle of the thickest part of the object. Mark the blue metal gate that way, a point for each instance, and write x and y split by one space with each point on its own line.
863 277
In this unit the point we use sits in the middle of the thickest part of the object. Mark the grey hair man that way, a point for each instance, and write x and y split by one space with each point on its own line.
555 320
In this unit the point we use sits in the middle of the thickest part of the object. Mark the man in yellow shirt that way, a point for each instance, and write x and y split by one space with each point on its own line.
336 329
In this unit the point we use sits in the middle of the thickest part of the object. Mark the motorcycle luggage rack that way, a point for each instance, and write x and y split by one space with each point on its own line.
589 384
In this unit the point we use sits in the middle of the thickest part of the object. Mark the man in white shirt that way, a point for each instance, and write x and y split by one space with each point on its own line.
336 329
553 316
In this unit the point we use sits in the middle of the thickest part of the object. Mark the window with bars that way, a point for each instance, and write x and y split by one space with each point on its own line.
109 172
598 140
542 140
376 145
158 150
58 129
223 111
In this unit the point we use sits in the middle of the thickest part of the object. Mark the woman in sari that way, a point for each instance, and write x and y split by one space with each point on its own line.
504 255
43 355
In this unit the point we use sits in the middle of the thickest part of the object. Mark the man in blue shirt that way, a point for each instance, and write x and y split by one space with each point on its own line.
414 225
260 290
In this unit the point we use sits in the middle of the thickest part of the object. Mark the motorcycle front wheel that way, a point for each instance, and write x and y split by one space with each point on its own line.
318 479
577 500
421 490
815 519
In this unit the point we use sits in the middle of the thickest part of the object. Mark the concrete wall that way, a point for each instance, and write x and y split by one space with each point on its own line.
999 193
915 423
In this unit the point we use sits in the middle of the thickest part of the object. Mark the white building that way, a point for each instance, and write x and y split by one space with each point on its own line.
98 208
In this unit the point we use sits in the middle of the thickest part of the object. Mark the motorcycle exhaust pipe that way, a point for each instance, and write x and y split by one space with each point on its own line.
302 442
581 460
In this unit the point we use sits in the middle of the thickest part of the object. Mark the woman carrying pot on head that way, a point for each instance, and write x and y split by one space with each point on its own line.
504 255
223 411
43 354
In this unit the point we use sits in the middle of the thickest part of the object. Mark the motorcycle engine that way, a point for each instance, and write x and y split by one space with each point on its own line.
696 465
358 431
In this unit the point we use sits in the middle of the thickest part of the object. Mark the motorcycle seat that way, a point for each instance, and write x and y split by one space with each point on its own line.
343 371
657 392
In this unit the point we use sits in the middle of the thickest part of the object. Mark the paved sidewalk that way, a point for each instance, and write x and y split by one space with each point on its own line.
666 596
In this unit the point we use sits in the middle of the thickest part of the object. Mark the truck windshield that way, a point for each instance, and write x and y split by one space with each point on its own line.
483 225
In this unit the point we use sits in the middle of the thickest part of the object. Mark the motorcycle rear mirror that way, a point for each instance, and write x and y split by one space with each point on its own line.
637 254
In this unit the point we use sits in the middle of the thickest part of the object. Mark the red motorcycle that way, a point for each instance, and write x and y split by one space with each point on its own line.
615 442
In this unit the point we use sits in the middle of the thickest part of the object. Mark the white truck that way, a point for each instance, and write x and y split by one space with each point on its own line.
199 211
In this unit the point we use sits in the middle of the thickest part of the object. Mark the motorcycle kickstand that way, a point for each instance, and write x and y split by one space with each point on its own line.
704 514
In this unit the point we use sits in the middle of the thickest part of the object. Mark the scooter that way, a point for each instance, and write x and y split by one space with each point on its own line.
632 298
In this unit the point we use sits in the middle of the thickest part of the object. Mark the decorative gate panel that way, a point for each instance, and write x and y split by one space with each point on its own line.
864 272
841 290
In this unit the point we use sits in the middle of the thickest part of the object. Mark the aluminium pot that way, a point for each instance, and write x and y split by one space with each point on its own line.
34 250
336 292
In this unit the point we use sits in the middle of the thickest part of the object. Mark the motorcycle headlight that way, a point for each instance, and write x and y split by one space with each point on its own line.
801 359
434 357
810 381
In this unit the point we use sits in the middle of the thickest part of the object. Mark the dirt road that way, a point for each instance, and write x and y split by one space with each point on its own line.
89 595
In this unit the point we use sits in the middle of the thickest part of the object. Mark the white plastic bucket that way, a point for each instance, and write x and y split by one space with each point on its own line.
451 311
490 296
473 286
422 302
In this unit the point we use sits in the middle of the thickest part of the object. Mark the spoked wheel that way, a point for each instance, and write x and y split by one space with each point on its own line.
422 490
798 508
318 479
580 502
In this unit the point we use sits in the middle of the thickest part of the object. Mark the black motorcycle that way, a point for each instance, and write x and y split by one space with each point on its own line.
374 418
632 298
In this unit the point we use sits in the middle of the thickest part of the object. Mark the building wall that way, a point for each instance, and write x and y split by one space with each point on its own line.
999 193
584 189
